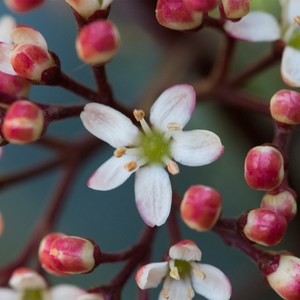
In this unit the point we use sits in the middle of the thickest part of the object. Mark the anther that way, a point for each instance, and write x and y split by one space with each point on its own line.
174 273
174 126
199 273
297 20
120 152
172 167
138 114
131 166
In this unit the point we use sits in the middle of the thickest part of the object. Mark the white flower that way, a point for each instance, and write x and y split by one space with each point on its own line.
261 26
29 285
184 275
147 152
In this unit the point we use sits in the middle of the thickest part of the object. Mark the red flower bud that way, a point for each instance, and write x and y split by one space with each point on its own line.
23 122
200 207
264 227
97 42
23 5
235 9
285 107
202 5
174 14
14 85
264 168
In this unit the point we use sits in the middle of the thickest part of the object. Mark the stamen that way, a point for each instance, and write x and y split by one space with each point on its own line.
297 20
174 273
174 126
199 273
172 167
139 116
131 166
165 293
120 152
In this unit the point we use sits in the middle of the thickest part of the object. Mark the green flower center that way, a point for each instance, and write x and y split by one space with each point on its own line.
155 146
36 294
184 267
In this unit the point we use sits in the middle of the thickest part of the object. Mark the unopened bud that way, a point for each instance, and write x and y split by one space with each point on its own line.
201 5
97 42
23 122
200 207
264 227
264 168
174 14
23 5
14 85
285 280
283 202
235 9
285 107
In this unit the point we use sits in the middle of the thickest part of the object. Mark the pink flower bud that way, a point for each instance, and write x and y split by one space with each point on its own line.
235 9
30 61
23 5
202 5
283 202
201 207
23 122
14 85
285 107
97 42
174 14
264 226
264 168
285 280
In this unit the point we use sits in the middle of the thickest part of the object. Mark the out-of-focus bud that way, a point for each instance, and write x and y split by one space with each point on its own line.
174 14
264 168
98 42
23 122
14 85
23 5
263 226
200 207
201 5
88 8
283 202
235 9
285 107
25 279
285 279
1 224
91 297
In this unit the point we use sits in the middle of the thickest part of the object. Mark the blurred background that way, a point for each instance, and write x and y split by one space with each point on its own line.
150 59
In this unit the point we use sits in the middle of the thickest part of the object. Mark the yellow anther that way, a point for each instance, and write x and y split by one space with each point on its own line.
297 20
199 273
165 293
138 114
172 167
120 152
131 166
174 273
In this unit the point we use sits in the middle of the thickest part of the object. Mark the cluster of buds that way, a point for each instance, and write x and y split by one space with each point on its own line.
61 254
23 5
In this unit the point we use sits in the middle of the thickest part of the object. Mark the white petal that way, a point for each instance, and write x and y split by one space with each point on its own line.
5 65
290 71
150 276
176 290
106 3
111 174
185 250
255 27
109 125
174 105
8 294
7 25
90 297
214 286
153 194
65 291
28 35
290 10
196 147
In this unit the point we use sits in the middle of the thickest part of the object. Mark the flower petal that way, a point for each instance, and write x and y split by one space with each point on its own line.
196 147
177 290
185 250
5 65
174 105
257 26
28 35
7 25
290 71
150 276
290 10
8 294
65 291
109 125
153 194
111 174
215 285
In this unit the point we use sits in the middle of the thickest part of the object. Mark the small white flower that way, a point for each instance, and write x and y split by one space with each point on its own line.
184 275
147 152
261 26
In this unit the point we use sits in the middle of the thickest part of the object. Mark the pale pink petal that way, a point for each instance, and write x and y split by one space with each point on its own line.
8 294
7 25
90 297
5 65
153 194
28 35
177 290
196 147
213 284
174 105
109 125
290 71
151 275
257 26
185 250
290 10
65 291
111 174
